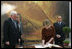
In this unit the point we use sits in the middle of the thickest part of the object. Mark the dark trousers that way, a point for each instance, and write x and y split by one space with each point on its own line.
59 43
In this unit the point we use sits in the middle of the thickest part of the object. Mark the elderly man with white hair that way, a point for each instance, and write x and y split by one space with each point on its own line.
12 34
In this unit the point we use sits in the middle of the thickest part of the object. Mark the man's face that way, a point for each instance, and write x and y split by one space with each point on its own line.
18 18
59 18
14 17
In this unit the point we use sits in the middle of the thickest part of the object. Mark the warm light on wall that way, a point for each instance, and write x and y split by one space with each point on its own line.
5 8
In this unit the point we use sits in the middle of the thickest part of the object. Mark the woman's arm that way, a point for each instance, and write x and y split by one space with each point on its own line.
43 41
51 39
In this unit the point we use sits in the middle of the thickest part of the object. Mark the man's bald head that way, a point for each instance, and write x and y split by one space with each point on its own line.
59 18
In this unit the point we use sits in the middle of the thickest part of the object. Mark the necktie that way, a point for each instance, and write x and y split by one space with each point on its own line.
15 24
59 23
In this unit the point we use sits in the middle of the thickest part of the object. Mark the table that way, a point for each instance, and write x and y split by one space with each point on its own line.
40 46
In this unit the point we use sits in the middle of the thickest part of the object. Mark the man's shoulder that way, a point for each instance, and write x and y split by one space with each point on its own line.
63 22
7 20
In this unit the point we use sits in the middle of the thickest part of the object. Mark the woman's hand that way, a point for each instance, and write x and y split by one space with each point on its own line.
43 41
47 43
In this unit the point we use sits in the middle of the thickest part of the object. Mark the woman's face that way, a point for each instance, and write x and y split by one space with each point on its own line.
46 26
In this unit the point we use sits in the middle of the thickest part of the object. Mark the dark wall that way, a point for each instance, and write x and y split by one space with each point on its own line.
63 10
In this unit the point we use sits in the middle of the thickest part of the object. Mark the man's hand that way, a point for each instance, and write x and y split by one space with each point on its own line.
58 36
7 43
19 40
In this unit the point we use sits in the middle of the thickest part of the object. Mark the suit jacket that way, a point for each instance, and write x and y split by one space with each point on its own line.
47 34
11 33
59 30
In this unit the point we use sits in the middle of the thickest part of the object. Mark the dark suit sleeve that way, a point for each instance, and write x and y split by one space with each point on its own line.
53 33
19 35
63 33
55 28
5 30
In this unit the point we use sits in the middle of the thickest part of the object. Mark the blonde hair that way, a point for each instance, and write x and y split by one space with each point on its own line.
46 22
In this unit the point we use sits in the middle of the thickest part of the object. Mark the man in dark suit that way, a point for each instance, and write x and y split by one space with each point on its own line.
60 35
12 34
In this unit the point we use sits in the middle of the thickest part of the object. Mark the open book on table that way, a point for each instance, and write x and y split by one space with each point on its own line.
47 46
